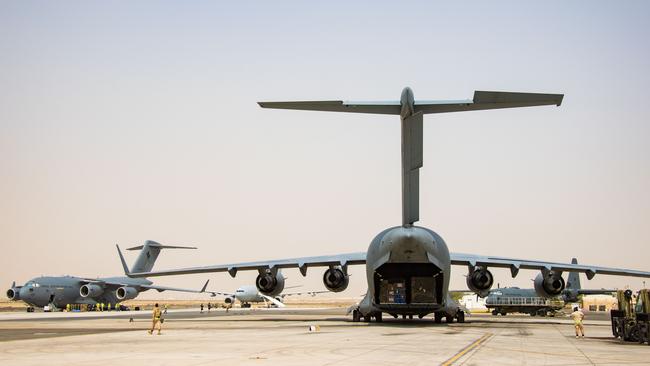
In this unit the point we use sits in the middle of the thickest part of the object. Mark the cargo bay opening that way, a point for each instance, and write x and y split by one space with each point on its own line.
408 285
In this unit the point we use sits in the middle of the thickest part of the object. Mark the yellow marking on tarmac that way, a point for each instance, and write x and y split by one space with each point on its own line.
468 348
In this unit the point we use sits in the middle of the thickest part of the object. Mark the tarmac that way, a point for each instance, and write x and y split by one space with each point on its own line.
282 337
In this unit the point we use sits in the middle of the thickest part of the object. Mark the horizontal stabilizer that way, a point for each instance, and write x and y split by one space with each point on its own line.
392 107
489 100
153 244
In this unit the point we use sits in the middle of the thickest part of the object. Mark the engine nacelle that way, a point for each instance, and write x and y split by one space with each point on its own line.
230 300
335 279
549 284
126 293
480 281
91 290
270 285
14 293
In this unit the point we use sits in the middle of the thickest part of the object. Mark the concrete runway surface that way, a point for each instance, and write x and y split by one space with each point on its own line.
282 337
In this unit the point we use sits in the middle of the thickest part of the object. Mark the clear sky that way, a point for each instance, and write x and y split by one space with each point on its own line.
127 121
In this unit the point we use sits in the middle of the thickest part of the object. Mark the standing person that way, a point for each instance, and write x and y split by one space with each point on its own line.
165 307
578 316
209 307
157 315
201 308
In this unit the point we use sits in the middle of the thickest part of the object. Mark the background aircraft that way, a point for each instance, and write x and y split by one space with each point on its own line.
63 290
250 294
407 266
525 300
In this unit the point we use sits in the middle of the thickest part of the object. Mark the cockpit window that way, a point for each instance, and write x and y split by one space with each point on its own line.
32 284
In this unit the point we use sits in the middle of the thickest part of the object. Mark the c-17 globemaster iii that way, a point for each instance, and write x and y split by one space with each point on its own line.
61 291
407 266
525 300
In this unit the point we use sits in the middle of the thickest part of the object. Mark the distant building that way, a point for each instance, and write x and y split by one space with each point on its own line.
599 303
472 303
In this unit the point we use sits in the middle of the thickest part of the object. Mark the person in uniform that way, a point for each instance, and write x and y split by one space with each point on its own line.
157 315
578 316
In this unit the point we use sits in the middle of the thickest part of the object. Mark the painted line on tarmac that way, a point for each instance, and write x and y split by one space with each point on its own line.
467 349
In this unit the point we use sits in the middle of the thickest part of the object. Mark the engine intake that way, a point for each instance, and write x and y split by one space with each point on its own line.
229 300
13 293
335 279
549 284
91 290
270 285
126 293
480 281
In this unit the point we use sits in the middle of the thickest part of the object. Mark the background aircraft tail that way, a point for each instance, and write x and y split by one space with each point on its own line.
148 254
573 282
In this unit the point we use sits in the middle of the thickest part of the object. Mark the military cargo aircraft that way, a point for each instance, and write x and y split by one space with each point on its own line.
250 294
59 291
526 300
407 266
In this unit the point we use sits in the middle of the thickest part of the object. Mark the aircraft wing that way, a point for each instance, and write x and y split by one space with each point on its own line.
360 258
164 288
312 293
516 264
300 263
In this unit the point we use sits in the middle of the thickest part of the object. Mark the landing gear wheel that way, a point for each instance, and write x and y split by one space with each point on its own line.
503 313
367 318
449 319
411 316
378 318
460 316
356 316
437 317
494 312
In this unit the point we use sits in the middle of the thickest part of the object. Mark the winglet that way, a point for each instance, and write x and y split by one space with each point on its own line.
13 284
126 268
204 286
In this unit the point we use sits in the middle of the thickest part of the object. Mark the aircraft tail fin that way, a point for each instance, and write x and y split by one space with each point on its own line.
573 282
124 265
148 254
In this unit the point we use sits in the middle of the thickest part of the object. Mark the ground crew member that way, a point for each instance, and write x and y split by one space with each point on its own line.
157 315
578 316
209 307
165 307
67 307
201 308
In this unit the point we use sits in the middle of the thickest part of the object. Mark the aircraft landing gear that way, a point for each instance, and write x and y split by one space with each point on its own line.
378 318
356 316
460 316
437 318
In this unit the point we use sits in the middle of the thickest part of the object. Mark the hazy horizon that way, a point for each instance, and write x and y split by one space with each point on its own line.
124 122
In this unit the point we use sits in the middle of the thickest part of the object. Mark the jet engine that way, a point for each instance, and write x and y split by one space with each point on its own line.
480 280
230 300
549 284
270 285
335 279
14 293
126 293
91 290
